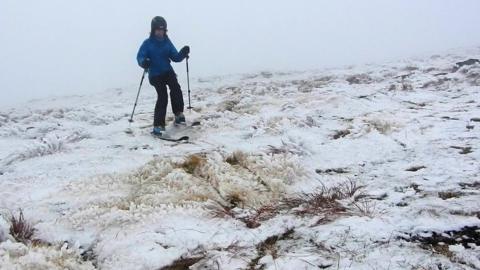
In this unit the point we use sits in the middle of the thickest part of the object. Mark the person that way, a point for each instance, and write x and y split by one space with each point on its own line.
155 55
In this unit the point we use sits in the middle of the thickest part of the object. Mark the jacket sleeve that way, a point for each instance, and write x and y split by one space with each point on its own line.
173 54
142 53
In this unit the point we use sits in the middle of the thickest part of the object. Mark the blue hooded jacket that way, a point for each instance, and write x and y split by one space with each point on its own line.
160 52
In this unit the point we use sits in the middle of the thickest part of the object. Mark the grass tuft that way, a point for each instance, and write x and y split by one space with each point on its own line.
192 163
20 229
236 158
183 263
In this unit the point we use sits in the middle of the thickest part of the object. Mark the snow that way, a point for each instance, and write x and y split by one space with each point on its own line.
92 183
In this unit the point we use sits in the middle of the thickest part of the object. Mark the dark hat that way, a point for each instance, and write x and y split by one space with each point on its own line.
159 22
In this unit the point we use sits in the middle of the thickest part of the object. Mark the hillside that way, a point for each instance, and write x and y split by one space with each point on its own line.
365 167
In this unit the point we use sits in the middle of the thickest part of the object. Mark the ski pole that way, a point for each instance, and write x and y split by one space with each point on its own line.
188 84
138 94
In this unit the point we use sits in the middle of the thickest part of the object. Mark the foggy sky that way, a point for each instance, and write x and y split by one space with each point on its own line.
57 47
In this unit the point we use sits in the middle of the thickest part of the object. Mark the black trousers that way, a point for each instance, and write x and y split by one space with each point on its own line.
160 83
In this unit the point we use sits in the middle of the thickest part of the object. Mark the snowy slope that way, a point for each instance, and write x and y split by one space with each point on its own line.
363 167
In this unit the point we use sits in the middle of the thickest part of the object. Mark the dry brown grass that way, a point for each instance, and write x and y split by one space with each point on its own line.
269 246
315 203
325 200
252 220
236 158
350 188
218 210
183 263
236 199
324 203
20 229
287 148
366 207
359 79
228 105
382 126
260 215
192 163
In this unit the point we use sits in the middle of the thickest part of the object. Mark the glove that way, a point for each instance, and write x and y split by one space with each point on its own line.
146 63
185 51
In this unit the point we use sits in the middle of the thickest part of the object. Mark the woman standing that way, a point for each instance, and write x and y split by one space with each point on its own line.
155 55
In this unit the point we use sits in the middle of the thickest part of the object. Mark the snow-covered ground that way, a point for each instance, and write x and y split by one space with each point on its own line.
366 167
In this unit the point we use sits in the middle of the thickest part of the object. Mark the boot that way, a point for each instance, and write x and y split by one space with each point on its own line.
158 130
180 119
